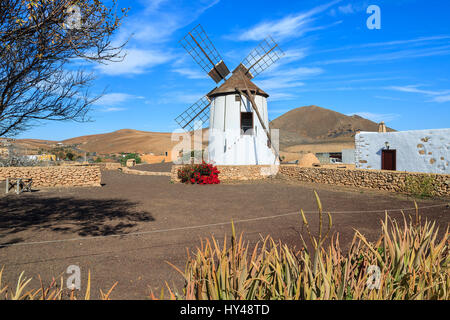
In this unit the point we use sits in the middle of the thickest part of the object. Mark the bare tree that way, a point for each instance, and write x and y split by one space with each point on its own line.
39 42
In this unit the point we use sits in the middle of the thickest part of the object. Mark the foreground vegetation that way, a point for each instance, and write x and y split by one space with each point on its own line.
407 262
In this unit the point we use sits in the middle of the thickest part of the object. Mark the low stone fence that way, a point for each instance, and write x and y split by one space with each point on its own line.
236 173
144 173
73 176
107 165
394 181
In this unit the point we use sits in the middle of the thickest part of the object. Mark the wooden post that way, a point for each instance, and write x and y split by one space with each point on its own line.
255 107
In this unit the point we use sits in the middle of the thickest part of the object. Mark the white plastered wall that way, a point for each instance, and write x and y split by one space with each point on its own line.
227 146
417 151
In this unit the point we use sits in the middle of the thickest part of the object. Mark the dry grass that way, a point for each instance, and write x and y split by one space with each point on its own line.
54 291
413 264
412 261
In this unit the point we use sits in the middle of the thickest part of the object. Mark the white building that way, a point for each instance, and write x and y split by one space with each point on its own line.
236 136
413 151
348 156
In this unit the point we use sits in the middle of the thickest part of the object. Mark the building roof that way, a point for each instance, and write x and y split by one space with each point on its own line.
237 80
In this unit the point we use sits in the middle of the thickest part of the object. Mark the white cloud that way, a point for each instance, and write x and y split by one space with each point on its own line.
137 61
149 30
279 111
376 117
111 99
178 97
152 5
112 109
110 102
300 72
289 26
437 96
442 99
412 89
280 83
348 9
190 73
161 18
392 56
292 55
417 41
277 96
287 78
389 98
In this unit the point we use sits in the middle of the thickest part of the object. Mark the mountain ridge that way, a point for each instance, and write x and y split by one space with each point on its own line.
301 126
314 124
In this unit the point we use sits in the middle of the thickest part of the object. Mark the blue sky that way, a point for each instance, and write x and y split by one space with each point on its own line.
399 74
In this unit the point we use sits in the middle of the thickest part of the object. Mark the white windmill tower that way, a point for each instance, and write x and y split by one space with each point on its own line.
236 110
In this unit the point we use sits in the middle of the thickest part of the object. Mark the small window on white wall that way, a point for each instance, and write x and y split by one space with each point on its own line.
247 123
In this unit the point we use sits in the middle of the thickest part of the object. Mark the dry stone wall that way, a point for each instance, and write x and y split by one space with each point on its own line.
144 173
76 176
233 173
394 181
108 166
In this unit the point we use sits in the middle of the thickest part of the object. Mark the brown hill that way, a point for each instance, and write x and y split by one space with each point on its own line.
306 129
316 125
126 140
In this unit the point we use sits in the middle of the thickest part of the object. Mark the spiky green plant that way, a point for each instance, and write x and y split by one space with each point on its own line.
55 291
412 262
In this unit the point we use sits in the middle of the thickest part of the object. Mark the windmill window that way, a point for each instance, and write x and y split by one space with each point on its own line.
247 123
237 98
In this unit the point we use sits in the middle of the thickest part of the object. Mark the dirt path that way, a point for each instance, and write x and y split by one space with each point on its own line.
170 218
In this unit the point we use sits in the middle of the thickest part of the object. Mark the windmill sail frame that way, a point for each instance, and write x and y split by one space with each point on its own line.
201 49
264 55
199 110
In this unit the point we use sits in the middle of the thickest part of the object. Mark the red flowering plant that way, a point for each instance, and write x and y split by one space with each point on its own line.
203 173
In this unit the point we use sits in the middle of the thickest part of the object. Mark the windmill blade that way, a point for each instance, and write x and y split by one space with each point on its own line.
262 57
200 47
199 111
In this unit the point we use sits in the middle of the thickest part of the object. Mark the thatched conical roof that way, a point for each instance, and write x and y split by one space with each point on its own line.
237 80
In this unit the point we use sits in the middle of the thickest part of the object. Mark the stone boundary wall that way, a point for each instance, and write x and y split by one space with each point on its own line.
106 165
393 181
61 176
144 173
236 173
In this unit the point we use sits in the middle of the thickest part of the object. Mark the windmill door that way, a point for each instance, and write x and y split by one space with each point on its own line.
389 160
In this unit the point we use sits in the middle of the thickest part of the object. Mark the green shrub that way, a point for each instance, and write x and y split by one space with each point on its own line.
70 156
422 186
134 156
198 155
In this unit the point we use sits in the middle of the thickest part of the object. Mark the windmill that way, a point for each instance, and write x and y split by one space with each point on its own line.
237 109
